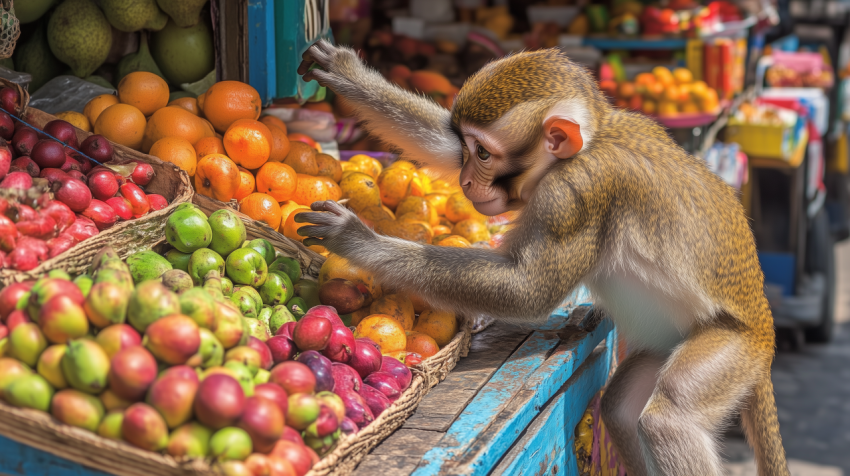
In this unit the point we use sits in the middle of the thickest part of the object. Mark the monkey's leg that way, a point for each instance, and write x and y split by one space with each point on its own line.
703 381
624 400
762 429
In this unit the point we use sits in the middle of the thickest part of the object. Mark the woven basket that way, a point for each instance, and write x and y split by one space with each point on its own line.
10 29
126 237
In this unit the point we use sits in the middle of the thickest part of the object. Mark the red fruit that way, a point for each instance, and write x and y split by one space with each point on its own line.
219 401
121 207
4 331
286 330
60 244
16 318
75 194
53 175
282 348
173 339
8 233
173 395
5 158
328 313
385 383
9 98
312 333
71 164
293 435
398 370
77 174
82 229
103 185
326 424
25 164
48 153
263 421
10 295
20 180
137 198
28 254
43 227
25 213
131 372
116 337
341 345
7 126
356 408
348 427
294 377
61 213
142 174
64 131
101 214
97 147
265 354
274 393
296 455
158 202
142 426
345 378
24 140
366 358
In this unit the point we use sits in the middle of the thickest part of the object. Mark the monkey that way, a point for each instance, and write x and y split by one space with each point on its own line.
605 199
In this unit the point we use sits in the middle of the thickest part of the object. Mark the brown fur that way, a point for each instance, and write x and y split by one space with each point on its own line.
631 207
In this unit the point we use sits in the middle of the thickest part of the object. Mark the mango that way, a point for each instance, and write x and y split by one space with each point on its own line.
85 366
173 395
226 286
50 365
280 316
147 265
178 259
76 408
131 373
107 304
247 266
188 230
84 282
246 303
191 440
149 302
117 337
198 305
257 328
263 247
62 319
29 391
11 370
242 374
228 232
173 339
46 288
228 324
143 427
110 426
214 285
245 355
203 261
262 377
278 289
230 444
288 266
177 280
210 353
26 343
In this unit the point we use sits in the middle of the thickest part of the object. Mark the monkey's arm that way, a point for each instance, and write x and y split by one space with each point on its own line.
413 123
526 283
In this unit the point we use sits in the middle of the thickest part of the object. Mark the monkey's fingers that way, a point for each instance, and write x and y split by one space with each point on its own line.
316 51
329 206
317 218
312 241
314 231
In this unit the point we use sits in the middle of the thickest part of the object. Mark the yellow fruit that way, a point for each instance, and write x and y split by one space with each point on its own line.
76 119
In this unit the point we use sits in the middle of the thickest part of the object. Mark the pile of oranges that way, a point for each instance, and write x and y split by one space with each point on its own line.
663 93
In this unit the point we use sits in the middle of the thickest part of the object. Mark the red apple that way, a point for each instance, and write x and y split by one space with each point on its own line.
121 207
53 175
263 421
76 195
142 174
273 392
137 198
131 372
98 148
19 180
48 153
25 164
61 213
101 214
9 99
63 131
158 202
294 377
7 126
24 140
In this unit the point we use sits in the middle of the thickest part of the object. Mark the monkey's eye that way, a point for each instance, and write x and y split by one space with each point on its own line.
482 153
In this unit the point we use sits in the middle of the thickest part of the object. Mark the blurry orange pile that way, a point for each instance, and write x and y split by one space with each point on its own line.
663 93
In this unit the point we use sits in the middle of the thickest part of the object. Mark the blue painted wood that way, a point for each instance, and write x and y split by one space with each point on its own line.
292 37
503 408
261 48
580 297
17 459
549 441
636 44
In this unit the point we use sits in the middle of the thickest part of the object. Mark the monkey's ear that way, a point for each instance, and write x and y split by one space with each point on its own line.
563 137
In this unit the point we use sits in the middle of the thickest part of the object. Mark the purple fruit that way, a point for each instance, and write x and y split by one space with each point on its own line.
385 382
48 153
345 378
24 140
355 408
398 370
348 426
321 368
341 345
377 401
366 358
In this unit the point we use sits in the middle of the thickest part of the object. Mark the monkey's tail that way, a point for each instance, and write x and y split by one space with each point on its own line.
762 428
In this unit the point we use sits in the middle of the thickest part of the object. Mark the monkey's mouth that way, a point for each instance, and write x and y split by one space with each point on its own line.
477 204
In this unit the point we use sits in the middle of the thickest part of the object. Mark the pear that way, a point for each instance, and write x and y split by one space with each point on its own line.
33 56
79 36
133 15
184 55
138 61
183 12
31 10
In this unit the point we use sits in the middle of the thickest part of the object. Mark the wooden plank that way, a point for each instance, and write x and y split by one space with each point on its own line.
482 450
547 447
386 465
17 459
261 55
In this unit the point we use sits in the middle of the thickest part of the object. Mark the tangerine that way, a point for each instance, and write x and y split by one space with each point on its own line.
270 121
247 143
312 189
440 230
360 190
247 185
302 158
459 208
209 145
338 267
421 344
189 104
438 201
277 180
398 307
384 331
174 121
178 151
279 143
368 165
441 326
217 177
123 124
455 241
374 214
334 191
328 167
97 105
261 207
420 208
286 208
144 90
80 121
290 229
226 102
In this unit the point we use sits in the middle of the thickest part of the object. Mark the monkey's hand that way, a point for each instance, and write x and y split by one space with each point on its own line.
415 124
335 227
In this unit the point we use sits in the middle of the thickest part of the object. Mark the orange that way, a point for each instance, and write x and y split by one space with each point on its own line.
97 105
334 191
626 90
123 124
455 241
302 158
226 102
297 136
420 305
368 165
649 107
421 344
247 143
319 106
690 107
217 177
384 331
270 121
174 121
145 90
80 121
471 229
262 207
372 215
442 326
189 104
209 145
667 108
279 143
403 164
312 189
286 208
438 201
419 207
177 151
247 184
338 267
408 230
290 229
360 314
328 167
277 180
440 230
396 306
459 208
394 183
683 76
360 190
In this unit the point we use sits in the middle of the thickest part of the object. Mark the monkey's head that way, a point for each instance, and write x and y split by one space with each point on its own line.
516 119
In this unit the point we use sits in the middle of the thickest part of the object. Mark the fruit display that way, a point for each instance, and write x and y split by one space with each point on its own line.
54 196
662 93
211 347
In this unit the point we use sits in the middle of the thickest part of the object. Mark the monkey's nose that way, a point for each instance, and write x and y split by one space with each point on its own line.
466 183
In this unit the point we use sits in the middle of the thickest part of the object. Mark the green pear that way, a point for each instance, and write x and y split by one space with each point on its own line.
228 232
133 15
202 262
138 61
79 35
147 265
184 55
33 56
31 10
183 12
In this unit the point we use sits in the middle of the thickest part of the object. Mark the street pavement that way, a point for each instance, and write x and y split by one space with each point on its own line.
813 399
